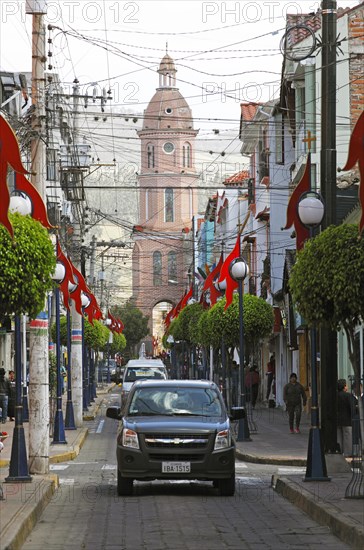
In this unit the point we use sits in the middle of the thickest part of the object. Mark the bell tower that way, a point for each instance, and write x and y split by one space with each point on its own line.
167 197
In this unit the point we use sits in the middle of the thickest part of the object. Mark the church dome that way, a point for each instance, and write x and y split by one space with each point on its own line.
167 110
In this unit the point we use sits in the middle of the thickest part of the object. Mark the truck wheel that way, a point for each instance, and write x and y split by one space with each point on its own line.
125 486
227 486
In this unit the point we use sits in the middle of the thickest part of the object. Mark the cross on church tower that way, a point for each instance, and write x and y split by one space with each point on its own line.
309 139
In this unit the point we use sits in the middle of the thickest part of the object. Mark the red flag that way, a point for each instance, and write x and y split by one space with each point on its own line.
39 211
356 154
304 185
116 324
214 294
121 326
177 308
9 154
92 310
231 285
213 274
167 320
186 298
81 287
68 277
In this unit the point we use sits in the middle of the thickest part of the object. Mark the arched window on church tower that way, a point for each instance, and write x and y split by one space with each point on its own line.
186 155
157 268
169 205
172 267
150 155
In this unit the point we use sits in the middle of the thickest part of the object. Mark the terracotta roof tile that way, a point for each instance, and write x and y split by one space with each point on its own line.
248 111
237 179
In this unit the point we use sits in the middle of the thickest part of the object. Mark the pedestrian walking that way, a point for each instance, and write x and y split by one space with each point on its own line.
12 395
4 395
270 374
346 406
252 381
294 395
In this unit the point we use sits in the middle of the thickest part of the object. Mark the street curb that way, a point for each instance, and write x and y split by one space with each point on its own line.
71 453
61 457
15 533
320 511
277 460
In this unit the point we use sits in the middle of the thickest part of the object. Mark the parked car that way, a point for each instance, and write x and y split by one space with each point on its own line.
175 429
103 370
141 369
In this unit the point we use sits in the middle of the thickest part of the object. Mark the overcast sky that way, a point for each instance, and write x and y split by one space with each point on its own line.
225 52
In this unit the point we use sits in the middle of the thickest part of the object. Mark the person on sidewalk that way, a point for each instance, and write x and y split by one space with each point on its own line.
4 395
293 396
346 405
12 395
252 380
271 372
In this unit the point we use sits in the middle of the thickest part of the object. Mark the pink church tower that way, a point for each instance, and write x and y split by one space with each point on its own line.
167 197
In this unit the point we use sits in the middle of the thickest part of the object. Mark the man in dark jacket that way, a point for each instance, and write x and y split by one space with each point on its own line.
4 395
346 405
293 396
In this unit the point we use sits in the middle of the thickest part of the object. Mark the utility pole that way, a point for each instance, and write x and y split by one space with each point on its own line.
76 330
328 355
38 360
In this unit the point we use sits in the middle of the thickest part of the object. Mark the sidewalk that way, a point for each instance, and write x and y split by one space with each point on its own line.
271 443
324 502
24 503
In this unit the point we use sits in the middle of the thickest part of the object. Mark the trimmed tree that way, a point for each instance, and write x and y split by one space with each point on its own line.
258 320
327 285
26 265
135 325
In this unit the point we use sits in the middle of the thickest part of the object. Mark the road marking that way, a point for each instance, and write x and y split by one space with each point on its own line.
66 481
108 467
100 427
81 463
249 480
291 470
58 466
240 466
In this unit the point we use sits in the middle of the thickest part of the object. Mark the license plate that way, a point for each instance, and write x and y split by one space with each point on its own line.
176 467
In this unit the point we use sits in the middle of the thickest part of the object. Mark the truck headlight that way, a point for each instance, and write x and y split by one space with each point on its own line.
222 440
130 439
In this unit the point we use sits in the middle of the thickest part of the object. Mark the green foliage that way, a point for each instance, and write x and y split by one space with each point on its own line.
195 312
135 324
63 330
96 335
257 316
26 265
327 280
204 334
118 344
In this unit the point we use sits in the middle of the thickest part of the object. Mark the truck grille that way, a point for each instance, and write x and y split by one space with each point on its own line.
176 441
177 457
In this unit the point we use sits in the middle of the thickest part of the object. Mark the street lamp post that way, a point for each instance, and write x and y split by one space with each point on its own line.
18 468
58 431
310 213
239 270
70 418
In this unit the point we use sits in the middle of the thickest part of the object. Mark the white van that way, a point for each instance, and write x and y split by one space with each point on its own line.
141 369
